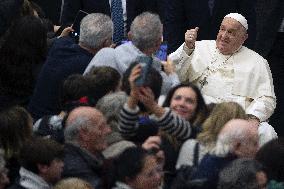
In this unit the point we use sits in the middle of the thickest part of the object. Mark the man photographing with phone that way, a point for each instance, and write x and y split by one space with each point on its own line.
66 58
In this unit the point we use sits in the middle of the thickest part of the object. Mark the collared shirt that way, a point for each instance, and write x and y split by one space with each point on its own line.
30 180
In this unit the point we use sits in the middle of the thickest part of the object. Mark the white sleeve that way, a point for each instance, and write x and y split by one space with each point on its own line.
262 107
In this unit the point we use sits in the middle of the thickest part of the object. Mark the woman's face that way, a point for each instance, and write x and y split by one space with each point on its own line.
184 102
150 177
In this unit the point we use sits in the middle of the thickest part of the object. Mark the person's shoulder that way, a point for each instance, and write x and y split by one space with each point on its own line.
247 52
190 142
126 48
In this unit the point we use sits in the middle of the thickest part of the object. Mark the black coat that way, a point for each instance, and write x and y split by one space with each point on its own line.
78 163
269 18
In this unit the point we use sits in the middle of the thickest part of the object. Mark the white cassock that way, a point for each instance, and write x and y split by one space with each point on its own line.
243 77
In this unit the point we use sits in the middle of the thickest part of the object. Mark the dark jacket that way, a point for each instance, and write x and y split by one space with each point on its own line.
210 167
79 163
269 18
133 9
9 9
16 186
64 59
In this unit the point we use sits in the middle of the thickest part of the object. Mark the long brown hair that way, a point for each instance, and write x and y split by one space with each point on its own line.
15 129
219 116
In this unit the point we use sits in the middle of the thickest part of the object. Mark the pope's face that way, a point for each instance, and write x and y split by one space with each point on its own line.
231 36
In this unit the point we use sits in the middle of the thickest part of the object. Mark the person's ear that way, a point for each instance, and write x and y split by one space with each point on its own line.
158 42
237 148
129 35
107 43
245 36
42 169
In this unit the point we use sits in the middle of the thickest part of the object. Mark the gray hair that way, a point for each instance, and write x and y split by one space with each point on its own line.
110 105
146 29
73 127
240 174
225 140
95 29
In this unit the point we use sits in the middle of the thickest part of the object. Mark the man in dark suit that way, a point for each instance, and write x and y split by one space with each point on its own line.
270 44
133 9
182 15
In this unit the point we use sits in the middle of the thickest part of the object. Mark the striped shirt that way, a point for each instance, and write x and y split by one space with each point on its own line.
169 122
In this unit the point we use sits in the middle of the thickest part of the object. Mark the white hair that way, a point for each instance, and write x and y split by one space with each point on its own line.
95 29
146 29
227 139
73 127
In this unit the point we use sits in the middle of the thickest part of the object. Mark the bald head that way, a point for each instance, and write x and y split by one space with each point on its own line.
87 127
238 126
239 137
82 112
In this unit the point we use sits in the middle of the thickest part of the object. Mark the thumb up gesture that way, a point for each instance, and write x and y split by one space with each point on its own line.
190 37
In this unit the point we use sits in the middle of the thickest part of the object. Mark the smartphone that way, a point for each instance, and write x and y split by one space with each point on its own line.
76 24
146 63
161 54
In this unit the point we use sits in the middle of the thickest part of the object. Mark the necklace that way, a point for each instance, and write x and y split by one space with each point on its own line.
213 68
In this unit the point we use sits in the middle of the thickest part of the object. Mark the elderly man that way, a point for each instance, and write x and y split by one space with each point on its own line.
238 139
146 36
85 137
66 58
225 70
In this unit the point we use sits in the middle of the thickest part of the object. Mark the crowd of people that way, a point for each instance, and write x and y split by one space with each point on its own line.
91 112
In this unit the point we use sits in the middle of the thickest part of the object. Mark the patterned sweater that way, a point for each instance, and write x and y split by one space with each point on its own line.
169 122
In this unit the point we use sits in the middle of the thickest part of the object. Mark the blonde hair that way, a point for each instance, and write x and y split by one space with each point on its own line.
73 183
219 116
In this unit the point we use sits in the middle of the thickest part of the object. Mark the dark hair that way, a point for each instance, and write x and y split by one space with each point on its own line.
271 155
74 87
201 111
153 81
102 80
128 164
22 51
240 174
14 130
40 151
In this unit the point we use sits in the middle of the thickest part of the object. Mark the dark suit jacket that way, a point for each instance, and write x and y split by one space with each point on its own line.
133 8
269 17
182 15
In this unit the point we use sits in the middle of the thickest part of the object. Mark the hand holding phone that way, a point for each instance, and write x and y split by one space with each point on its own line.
146 63
76 24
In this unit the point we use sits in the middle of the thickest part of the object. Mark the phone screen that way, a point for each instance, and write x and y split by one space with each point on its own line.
162 52
76 24
146 63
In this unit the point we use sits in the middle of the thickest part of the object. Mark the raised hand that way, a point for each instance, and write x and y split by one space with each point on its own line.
190 37
133 97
